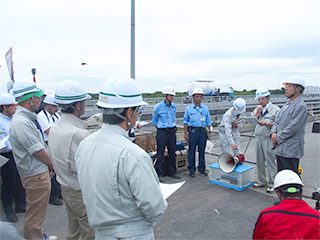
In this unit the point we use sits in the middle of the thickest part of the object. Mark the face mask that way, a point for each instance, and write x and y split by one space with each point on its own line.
237 111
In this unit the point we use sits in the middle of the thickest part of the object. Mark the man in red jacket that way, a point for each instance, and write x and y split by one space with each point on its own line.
292 218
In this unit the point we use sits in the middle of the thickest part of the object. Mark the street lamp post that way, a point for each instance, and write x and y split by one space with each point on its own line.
132 70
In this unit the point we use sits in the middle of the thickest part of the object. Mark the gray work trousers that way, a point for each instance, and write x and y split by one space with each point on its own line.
265 156
78 227
224 143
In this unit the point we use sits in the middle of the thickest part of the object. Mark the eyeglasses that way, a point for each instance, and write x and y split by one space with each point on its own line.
289 86
140 110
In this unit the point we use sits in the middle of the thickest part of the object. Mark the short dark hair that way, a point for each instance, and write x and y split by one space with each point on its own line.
113 119
70 109
284 190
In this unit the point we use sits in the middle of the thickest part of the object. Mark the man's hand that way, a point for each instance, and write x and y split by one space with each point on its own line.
258 111
273 139
43 156
262 123
234 146
186 137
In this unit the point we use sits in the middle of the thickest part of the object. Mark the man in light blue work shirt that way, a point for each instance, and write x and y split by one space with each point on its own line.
163 118
196 119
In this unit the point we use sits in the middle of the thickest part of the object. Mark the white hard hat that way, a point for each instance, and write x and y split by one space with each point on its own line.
262 92
120 92
295 80
169 90
285 177
70 91
197 90
7 99
49 99
22 88
239 104
48 91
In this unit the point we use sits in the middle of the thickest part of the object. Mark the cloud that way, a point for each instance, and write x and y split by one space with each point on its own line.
243 43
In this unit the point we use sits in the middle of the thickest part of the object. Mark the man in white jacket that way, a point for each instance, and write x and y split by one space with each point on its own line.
119 184
266 113
231 121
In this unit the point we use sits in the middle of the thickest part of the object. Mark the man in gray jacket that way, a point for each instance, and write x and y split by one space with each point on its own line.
119 184
266 114
31 157
287 133
64 139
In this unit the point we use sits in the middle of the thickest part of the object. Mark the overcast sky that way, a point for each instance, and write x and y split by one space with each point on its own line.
247 44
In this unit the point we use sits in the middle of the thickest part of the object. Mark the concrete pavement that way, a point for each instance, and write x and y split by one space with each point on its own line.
200 210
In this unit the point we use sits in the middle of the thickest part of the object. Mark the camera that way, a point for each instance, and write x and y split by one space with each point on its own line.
316 196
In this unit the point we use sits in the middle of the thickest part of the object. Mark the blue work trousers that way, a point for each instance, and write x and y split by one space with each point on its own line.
166 138
55 188
197 138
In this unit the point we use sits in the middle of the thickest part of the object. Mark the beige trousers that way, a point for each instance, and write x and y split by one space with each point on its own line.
78 227
38 193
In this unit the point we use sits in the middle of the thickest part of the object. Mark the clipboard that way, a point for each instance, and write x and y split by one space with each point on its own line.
251 120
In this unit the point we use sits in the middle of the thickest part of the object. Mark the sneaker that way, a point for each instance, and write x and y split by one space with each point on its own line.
192 175
270 190
46 237
56 201
161 179
203 173
176 176
258 185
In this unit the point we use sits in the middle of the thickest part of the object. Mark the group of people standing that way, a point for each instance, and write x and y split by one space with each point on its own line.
121 193
197 125
279 145
117 195
46 164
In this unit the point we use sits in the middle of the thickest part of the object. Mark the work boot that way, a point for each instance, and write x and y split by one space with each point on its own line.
56 201
12 217
176 176
203 173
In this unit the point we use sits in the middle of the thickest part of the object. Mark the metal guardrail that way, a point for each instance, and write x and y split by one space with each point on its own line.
217 109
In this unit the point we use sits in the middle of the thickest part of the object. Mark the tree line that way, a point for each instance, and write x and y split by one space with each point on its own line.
158 94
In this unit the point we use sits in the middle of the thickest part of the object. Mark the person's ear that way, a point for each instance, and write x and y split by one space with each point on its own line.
78 106
129 113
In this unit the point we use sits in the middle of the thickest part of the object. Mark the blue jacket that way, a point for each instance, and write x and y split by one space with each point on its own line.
194 117
163 115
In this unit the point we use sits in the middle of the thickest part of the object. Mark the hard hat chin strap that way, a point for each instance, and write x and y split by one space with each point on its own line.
7 106
71 105
295 90
111 111
166 97
49 110
31 103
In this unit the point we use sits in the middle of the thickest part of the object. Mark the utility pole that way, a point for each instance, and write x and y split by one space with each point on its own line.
132 69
